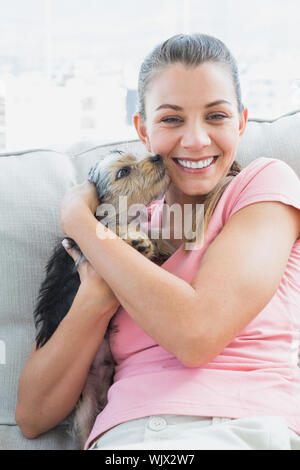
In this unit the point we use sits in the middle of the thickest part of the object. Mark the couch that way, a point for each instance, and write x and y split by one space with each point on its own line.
32 184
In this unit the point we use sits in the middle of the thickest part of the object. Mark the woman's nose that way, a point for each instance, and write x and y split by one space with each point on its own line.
195 136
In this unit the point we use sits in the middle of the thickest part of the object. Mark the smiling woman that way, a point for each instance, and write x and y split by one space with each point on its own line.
193 116
197 133
204 344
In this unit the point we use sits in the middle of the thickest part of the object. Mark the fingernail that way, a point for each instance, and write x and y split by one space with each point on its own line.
65 243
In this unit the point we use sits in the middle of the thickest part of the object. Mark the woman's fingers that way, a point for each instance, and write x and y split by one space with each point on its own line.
76 202
81 264
99 291
70 250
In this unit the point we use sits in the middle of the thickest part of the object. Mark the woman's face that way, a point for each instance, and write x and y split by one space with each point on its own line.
192 121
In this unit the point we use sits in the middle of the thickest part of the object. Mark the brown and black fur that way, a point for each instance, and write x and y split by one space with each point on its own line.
118 174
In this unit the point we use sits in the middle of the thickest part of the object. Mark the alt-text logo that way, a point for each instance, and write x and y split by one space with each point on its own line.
2 353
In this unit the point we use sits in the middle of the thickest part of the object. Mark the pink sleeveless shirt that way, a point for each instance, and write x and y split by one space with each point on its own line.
257 373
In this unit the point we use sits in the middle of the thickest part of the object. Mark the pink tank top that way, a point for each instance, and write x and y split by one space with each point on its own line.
257 373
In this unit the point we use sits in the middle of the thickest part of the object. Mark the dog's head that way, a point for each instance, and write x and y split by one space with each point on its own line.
141 180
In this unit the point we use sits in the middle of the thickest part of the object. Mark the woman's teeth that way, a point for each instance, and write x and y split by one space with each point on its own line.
193 164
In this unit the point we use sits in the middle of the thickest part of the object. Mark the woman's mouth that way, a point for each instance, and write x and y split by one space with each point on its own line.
193 166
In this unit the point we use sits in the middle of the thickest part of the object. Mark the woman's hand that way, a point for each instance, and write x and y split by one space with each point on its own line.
78 200
97 291
55 374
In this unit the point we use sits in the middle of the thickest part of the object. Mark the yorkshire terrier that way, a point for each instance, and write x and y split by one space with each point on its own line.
140 180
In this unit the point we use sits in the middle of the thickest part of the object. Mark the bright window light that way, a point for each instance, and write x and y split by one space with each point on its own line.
69 68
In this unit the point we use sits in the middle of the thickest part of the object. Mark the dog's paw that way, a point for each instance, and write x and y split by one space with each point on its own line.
144 246
140 242
163 249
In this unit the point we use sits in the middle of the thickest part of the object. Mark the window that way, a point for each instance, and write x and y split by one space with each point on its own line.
69 68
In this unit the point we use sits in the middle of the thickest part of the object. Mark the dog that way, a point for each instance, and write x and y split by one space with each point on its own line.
140 180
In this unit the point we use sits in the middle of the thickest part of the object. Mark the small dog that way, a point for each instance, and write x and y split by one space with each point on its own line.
118 174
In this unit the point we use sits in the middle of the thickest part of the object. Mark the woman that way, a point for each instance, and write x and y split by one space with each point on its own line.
205 348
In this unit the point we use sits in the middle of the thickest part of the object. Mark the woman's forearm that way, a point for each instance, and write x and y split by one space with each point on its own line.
159 302
55 374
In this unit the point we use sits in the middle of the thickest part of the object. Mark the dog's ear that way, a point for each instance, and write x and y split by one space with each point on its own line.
95 178
93 174
99 176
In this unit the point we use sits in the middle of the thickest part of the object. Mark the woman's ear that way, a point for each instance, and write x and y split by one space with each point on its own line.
140 126
243 121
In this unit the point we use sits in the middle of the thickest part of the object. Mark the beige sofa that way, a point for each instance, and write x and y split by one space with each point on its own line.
32 184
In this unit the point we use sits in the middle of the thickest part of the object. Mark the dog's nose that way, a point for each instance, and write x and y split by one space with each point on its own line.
156 159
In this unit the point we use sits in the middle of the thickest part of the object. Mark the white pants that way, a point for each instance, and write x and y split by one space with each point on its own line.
200 433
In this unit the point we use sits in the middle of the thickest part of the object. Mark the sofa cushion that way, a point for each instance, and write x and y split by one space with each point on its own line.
279 138
32 184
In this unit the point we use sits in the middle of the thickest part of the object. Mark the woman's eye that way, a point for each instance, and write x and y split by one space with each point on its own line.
217 117
171 120
123 172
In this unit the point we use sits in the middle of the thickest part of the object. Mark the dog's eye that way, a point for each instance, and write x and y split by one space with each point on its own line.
123 172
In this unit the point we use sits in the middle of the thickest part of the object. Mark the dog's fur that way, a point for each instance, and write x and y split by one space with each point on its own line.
142 181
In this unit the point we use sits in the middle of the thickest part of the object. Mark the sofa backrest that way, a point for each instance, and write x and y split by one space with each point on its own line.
32 184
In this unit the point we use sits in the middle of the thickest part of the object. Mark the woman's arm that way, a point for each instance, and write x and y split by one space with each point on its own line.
239 274
55 374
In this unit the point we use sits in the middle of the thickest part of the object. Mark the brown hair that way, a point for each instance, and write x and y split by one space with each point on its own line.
192 50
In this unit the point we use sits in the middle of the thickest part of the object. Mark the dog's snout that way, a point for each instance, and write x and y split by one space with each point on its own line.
156 159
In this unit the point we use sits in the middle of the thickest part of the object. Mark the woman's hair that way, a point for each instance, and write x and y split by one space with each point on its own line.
191 50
